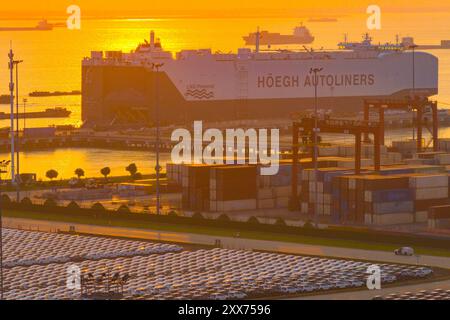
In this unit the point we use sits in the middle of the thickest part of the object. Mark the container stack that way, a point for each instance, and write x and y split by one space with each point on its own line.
444 144
399 197
405 147
174 173
275 191
324 189
233 188
430 158
439 217
348 150
195 187
387 200
429 191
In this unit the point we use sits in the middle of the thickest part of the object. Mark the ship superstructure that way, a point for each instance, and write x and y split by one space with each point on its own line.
121 88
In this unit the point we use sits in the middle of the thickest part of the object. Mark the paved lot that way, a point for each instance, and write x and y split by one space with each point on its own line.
234 243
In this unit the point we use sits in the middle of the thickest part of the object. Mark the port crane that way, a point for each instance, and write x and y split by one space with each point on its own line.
306 127
421 106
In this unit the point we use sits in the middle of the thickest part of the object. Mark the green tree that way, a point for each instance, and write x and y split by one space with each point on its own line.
79 173
132 169
105 172
51 174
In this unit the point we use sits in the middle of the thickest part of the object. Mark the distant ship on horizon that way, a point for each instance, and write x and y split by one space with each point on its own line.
42 25
322 20
300 35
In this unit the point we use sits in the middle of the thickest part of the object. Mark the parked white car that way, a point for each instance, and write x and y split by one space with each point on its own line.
404 251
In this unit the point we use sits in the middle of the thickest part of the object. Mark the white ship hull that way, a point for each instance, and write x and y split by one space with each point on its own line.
198 84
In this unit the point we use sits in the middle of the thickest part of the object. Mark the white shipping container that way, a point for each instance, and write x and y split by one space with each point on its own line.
282 202
421 216
367 218
213 206
282 191
368 196
311 175
266 193
294 223
266 220
320 210
327 198
444 159
320 197
329 151
304 207
429 181
266 203
320 187
431 193
236 205
185 182
212 195
350 164
305 175
346 151
415 161
352 184
431 223
395 218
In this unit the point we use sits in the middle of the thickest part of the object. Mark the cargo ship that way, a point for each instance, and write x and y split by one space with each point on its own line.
47 113
122 88
322 20
54 94
300 35
42 25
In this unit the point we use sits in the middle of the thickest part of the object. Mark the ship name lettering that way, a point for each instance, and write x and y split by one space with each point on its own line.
345 80
271 81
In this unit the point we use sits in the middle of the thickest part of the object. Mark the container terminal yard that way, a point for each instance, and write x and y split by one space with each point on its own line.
332 211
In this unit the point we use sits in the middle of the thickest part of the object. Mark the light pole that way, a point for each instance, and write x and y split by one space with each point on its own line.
3 165
11 89
413 47
25 100
315 71
157 66
16 63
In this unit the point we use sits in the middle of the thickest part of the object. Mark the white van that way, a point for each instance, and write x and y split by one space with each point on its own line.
404 251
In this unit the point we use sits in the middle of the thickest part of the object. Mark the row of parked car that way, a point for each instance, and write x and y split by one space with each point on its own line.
27 248
209 274
436 294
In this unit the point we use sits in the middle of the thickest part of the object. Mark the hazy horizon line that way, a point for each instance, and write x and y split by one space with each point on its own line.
230 13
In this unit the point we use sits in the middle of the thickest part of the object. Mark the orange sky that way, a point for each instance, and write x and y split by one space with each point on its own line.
148 8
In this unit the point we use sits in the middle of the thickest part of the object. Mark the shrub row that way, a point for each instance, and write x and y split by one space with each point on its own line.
99 212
